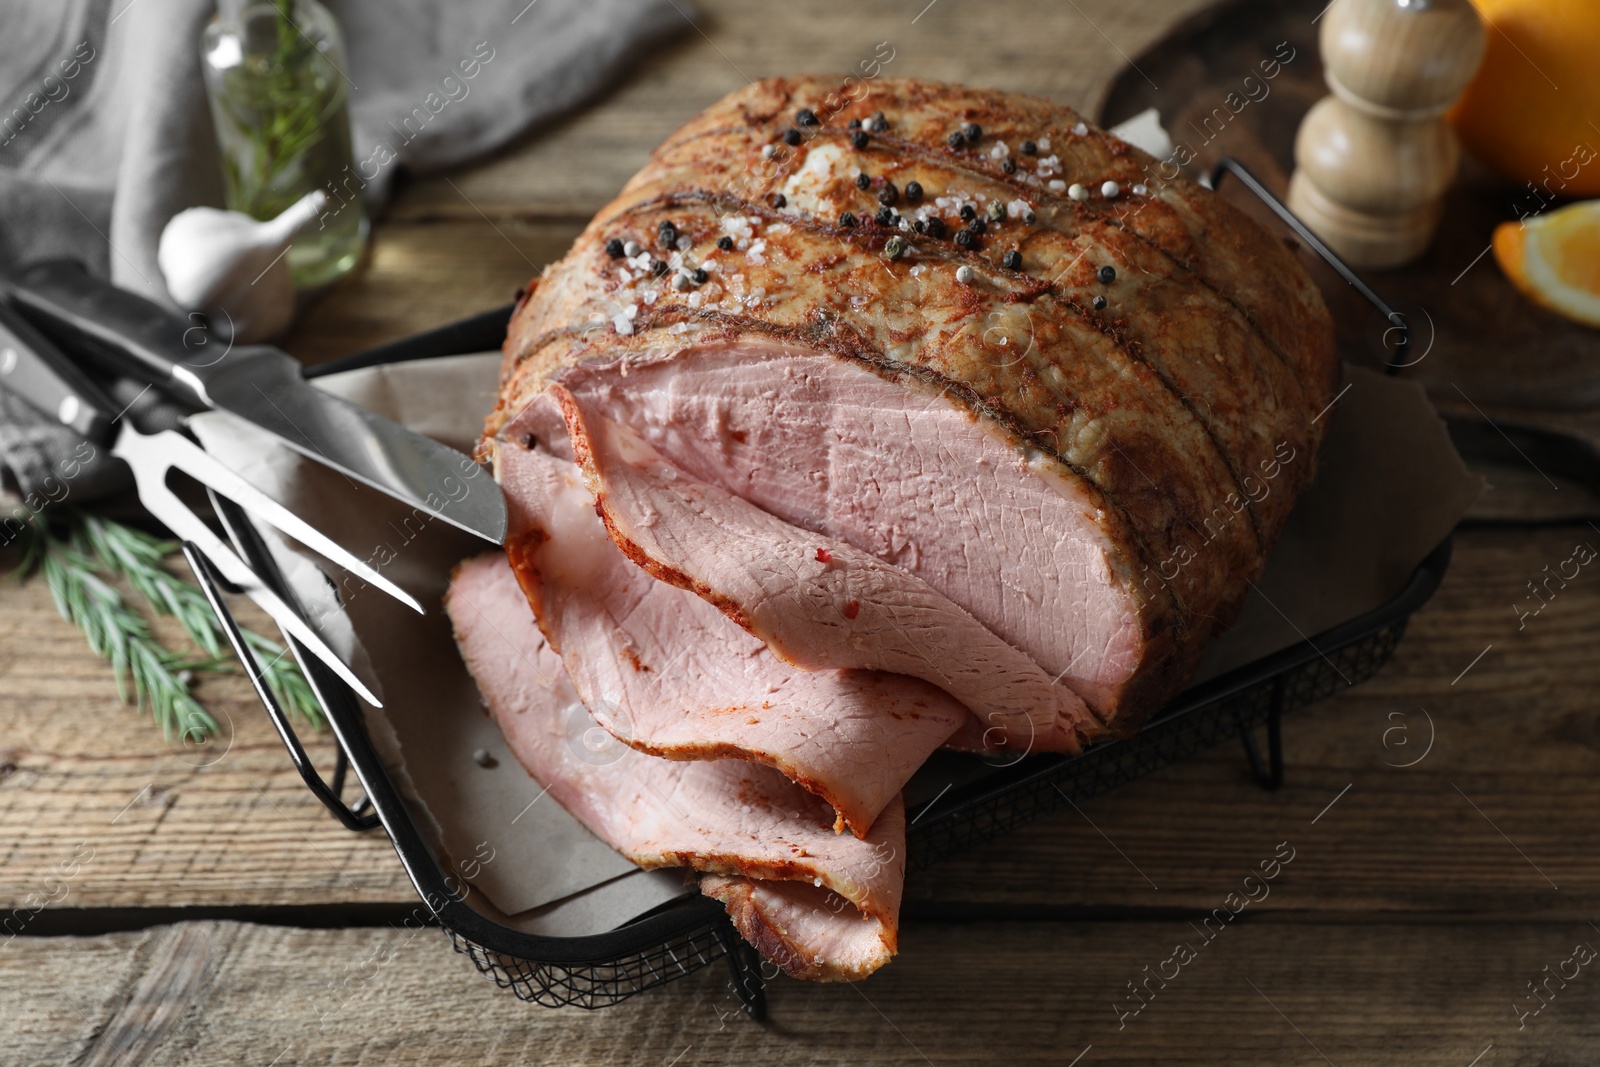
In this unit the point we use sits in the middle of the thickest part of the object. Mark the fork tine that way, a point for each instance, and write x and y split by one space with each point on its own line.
196 462
143 454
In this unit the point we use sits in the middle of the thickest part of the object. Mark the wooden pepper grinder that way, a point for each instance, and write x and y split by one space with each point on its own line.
1374 160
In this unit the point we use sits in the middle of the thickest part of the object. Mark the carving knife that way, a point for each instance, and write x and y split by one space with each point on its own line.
263 386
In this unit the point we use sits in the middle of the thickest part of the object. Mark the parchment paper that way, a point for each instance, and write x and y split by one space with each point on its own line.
1390 487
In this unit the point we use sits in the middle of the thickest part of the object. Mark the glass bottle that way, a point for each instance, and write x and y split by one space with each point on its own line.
275 77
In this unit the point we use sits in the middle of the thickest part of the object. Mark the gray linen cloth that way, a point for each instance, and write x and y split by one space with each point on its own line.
105 132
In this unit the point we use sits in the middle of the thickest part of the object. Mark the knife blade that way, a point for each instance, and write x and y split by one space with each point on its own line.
261 385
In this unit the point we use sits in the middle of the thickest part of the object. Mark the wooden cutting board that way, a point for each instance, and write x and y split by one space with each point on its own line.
1486 354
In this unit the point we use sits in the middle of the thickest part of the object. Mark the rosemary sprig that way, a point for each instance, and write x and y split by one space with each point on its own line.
91 546
116 633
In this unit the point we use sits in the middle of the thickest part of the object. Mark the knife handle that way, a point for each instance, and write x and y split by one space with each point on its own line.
43 375
124 331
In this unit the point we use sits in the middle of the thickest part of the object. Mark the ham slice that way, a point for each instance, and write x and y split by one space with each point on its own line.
666 673
816 602
780 866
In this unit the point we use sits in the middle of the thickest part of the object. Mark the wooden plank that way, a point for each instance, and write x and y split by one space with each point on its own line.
425 274
1045 992
1517 734
1066 52
1498 813
87 781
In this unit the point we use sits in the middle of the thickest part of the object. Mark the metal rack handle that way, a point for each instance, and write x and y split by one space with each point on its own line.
358 817
1228 165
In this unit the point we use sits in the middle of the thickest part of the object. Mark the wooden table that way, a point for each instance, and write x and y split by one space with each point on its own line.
206 910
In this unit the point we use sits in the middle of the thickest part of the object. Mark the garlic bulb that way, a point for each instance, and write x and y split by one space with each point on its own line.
233 268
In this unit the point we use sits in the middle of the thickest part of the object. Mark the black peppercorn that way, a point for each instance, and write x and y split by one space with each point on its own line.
1008 165
913 191
791 137
878 123
973 132
935 227
888 194
667 235
1107 275
919 226
847 220
977 226
863 180
614 248
884 217
725 243
956 140
1029 148
1099 303
855 124
778 201
700 276
1012 260
658 267
806 117
859 140
1030 217
969 212
966 238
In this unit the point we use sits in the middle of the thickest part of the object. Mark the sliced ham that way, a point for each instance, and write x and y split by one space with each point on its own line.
781 866
889 398
798 928
666 673
990 526
816 602
1155 360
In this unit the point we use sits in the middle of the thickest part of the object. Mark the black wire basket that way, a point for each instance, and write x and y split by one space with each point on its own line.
693 932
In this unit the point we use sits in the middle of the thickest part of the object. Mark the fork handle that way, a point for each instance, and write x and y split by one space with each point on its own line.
41 374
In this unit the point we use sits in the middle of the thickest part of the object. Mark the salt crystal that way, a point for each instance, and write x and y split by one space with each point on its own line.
1058 186
622 324
1080 129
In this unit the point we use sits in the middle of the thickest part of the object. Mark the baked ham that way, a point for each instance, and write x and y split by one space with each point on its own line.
818 904
926 379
